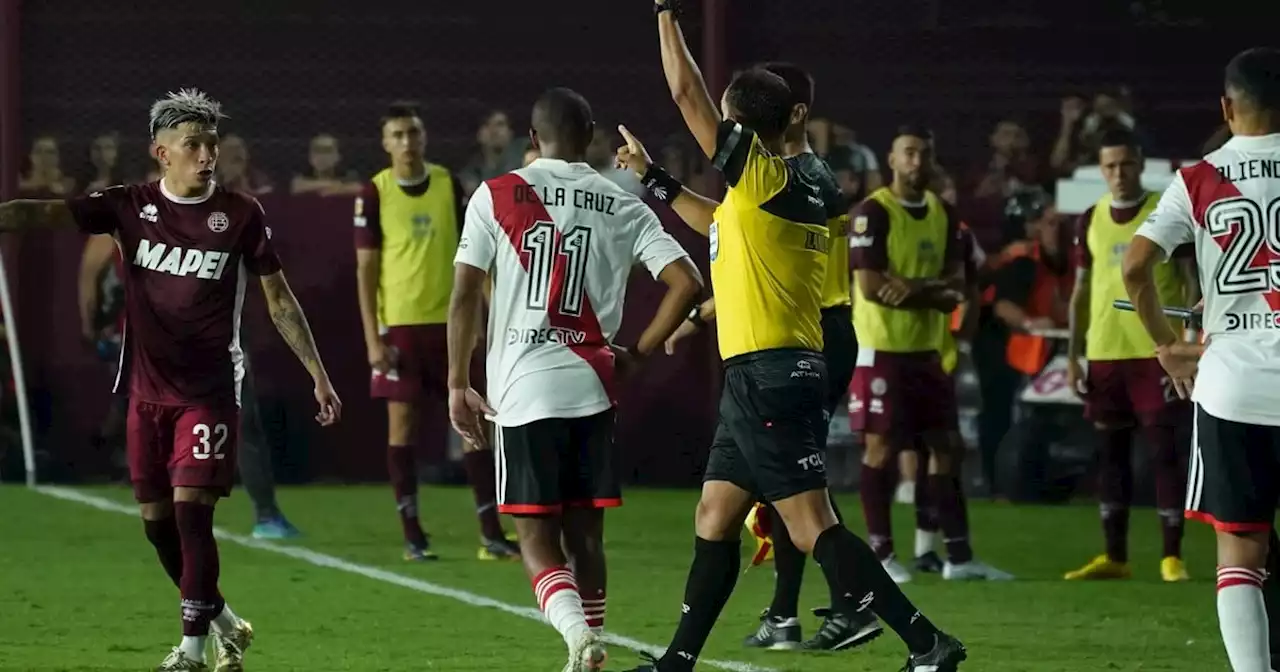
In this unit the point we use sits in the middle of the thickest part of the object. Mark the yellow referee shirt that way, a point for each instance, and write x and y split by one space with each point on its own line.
769 247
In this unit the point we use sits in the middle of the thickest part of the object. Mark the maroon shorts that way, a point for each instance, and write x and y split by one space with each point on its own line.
181 446
1125 391
901 395
421 365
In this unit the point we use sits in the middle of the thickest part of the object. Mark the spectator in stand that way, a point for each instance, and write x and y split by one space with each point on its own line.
684 165
498 153
602 155
855 165
43 176
1081 128
1034 290
945 186
103 170
324 175
1010 167
235 172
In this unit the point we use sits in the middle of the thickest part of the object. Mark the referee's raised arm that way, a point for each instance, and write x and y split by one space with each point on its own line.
688 89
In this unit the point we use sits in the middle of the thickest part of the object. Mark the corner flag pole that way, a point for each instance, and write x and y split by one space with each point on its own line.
19 377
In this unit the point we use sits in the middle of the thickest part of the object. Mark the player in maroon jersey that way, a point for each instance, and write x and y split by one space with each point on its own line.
187 244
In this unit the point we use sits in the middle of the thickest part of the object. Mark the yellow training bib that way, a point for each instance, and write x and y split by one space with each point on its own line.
419 240
1119 334
917 248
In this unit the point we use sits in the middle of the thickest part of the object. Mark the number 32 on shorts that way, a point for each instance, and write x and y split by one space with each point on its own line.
209 441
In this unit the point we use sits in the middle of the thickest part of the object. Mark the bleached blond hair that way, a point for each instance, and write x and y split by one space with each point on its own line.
185 106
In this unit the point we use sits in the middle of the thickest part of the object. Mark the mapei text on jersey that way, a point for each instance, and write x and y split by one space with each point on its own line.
205 264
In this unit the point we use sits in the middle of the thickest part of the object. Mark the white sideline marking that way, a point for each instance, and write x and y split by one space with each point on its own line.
323 560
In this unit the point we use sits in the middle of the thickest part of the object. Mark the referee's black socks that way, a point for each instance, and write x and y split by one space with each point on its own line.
850 564
711 579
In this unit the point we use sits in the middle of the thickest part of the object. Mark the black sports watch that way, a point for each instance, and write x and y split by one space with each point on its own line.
695 316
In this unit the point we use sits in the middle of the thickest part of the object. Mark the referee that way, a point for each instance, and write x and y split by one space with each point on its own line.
768 242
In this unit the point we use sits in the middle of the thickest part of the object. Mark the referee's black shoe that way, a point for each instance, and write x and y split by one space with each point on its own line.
839 632
946 656
775 634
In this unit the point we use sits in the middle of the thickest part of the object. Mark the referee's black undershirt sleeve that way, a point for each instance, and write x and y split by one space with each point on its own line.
733 145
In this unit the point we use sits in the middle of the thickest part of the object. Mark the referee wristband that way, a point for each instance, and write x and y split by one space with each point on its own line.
695 317
661 184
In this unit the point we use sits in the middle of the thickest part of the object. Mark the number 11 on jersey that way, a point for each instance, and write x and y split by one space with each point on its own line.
545 255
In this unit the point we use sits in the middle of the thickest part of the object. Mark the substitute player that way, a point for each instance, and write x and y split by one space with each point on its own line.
769 244
906 252
957 337
99 254
1229 207
407 225
558 241
189 242
1125 386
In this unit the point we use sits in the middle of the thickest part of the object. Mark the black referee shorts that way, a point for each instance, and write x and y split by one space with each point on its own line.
772 434
840 348
1234 479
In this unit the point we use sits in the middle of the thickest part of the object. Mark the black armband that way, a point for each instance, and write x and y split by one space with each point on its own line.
668 6
661 184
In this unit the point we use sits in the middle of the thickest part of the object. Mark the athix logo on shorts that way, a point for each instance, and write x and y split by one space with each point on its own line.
218 222
804 369
544 336
1253 321
158 257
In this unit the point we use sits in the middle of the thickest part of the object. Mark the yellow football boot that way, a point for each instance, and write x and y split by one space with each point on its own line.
1172 570
1100 568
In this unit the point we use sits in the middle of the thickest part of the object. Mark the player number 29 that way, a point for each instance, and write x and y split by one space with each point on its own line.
1254 226
544 257
209 441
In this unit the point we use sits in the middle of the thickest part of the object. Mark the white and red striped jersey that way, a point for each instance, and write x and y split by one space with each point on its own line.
559 241
1229 206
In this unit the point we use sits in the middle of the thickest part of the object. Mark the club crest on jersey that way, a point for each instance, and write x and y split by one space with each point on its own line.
219 222
860 224
161 258
150 213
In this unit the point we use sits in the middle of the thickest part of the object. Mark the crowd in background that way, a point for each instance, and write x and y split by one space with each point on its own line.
1005 198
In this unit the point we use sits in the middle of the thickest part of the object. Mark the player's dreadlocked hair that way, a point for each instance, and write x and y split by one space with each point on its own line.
185 106
761 101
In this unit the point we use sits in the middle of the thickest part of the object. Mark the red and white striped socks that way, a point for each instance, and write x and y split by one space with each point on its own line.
594 608
1242 618
557 593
